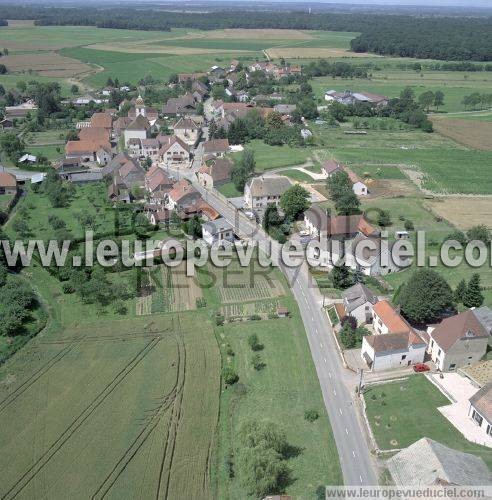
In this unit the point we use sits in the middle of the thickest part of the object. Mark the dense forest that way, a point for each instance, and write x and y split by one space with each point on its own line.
445 38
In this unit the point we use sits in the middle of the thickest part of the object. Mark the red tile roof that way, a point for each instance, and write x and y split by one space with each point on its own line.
393 321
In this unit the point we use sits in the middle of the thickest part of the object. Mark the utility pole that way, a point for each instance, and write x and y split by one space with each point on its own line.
360 381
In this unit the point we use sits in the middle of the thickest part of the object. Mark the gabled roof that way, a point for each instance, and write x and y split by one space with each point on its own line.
181 189
331 166
358 295
217 226
427 462
393 321
484 315
391 342
157 178
186 123
216 146
140 123
482 402
167 141
218 168
7 180
459 327
96 134
79 147
269 186
102 120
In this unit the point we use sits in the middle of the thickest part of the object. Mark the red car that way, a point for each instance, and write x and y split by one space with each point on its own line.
420 367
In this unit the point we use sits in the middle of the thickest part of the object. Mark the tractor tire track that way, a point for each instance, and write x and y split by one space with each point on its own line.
162 489
42 461
142 437
8 400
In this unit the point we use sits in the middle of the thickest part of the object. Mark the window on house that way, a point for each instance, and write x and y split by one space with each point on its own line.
477 417
489 430
439 352
404 357
452 366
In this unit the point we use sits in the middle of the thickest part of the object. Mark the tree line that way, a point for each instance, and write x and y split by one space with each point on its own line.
433 37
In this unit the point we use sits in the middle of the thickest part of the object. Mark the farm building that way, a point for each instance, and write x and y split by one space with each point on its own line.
215 172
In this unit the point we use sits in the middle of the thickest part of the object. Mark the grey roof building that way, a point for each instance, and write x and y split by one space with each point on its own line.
427 462
484 315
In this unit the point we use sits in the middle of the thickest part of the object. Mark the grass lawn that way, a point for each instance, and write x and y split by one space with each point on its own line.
391 81
439 159
271 157
408 412
229 190
297 175
279 395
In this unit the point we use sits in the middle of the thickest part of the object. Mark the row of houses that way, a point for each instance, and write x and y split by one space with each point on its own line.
331 167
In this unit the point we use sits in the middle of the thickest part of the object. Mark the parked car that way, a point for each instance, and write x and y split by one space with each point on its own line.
250 215
420 367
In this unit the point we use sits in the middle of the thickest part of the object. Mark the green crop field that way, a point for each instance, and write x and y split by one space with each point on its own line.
438 160
403 412
391 81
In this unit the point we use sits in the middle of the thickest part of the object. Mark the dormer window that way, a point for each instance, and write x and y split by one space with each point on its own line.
469 334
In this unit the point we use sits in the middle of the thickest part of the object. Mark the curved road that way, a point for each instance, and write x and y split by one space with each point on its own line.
337 384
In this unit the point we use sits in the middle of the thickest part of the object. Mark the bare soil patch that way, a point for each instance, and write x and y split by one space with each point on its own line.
476 134
20 23
249 34
312 52
146 48
45 64
463 212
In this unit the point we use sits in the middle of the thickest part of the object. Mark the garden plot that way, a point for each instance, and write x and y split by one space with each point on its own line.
263 309
237 284
164 290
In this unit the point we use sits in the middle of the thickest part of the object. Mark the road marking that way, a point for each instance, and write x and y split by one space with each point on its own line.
312 319
340 410
346 431
334 392
353 453
324 359
360 477
329 374
321 345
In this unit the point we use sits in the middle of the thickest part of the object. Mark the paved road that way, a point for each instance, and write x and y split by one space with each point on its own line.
337 384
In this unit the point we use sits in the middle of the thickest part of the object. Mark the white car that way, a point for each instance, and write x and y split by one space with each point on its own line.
250 215
304 233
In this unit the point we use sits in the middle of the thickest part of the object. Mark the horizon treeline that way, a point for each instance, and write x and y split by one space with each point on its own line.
432 37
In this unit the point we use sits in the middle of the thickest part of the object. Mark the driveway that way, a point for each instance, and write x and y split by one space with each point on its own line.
459 390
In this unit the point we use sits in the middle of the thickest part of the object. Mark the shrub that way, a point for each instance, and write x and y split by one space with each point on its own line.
257 362
255 317
254 343
311 415
68 288
229 375
219 319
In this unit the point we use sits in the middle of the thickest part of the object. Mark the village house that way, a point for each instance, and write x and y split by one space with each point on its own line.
118 191
260 192
358 187
216 147
180 106
429 463
102 120
358 301
215 172
458 341
348 97
173 151
182 195
216 72
188 131
393 350
104 155
8 183
218 231
321 224
331 167
480 410
158 185
387 320
190 77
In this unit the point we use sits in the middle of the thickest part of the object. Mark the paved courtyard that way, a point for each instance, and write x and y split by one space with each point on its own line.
459 390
